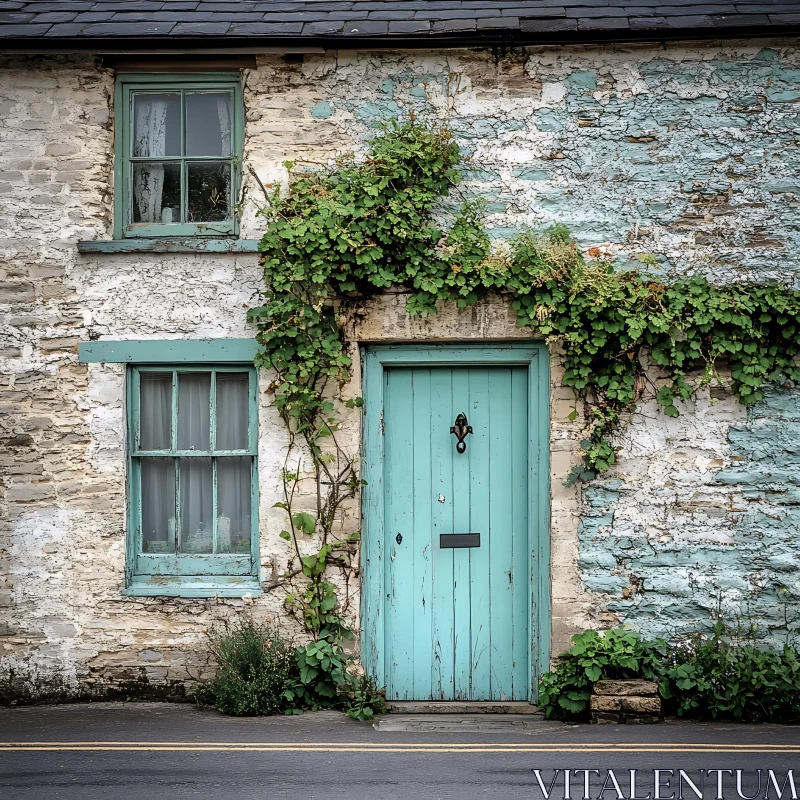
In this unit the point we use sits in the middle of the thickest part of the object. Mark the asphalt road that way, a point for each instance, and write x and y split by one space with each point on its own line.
149 752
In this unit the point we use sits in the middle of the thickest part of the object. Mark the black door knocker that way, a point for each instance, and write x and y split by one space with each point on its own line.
461 429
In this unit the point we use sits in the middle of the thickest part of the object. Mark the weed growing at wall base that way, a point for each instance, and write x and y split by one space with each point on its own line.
260 673
714 676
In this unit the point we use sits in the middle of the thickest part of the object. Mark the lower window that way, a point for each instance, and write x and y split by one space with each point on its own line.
193 480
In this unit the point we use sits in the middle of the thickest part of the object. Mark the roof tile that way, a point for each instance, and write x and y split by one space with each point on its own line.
602 24
93 16
647 23
322 28
66 29
365 27
548 25
499 22
526 11
17 17
30 29
390 15
690 21
588 13
410 26
201 28
465 13
265 28
128 29
56 16
203 8
454 25
133 5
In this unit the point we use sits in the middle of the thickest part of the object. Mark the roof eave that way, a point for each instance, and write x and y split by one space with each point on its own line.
467 39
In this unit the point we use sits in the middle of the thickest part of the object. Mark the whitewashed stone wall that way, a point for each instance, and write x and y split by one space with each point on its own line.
685 152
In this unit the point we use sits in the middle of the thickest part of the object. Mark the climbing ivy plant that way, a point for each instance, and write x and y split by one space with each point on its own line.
366 225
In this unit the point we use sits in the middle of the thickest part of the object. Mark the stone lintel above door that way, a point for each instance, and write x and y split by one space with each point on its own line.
384 319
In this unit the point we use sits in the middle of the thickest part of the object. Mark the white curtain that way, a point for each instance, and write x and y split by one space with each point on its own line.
157 474
225 122
155 410
233 503
150 140
232 390
158 505
194 433
233 474
197 490
194 397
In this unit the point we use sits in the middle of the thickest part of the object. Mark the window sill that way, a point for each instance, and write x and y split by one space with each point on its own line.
176 245
193 586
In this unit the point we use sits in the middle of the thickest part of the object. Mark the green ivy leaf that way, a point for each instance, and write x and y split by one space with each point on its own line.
304 522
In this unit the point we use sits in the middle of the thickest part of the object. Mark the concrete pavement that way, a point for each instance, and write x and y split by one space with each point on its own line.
153 751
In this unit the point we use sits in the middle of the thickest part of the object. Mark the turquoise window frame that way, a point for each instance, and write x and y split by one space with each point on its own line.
189 575
126 85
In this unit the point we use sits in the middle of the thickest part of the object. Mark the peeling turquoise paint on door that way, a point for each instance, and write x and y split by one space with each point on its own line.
456 619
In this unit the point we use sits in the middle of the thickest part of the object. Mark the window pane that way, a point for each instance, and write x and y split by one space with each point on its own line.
156 192
196 505
209 123
158 505
233 504
232 391
155 410
194 396
156 124
209 190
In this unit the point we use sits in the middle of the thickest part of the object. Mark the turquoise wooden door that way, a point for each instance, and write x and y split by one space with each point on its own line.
456 619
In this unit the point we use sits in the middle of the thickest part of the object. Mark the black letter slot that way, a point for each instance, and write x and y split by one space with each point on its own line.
459 540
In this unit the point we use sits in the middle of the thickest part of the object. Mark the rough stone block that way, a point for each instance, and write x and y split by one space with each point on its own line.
604 703
605 717
633 687
13 292
641 705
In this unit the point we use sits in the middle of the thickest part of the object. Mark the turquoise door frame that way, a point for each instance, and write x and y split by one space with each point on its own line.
375 360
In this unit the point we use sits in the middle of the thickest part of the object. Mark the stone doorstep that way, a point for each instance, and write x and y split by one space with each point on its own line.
464 723
461 707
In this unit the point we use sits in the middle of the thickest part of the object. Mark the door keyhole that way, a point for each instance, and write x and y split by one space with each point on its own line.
399 538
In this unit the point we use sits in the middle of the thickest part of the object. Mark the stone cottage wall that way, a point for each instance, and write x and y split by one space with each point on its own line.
686 152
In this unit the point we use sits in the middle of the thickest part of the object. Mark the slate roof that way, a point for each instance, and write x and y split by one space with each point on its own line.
90 23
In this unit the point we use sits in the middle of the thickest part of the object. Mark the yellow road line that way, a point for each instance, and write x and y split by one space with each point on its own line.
381 745
399 748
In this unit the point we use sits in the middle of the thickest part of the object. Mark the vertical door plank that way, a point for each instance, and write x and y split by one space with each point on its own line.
462 638
374 606
479 470
421 603
520 544
441 418
501 526
399 490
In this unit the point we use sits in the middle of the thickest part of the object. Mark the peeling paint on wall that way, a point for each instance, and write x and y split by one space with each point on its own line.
688 153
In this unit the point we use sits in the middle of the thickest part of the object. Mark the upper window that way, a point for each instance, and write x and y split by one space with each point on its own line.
193 487
178 155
